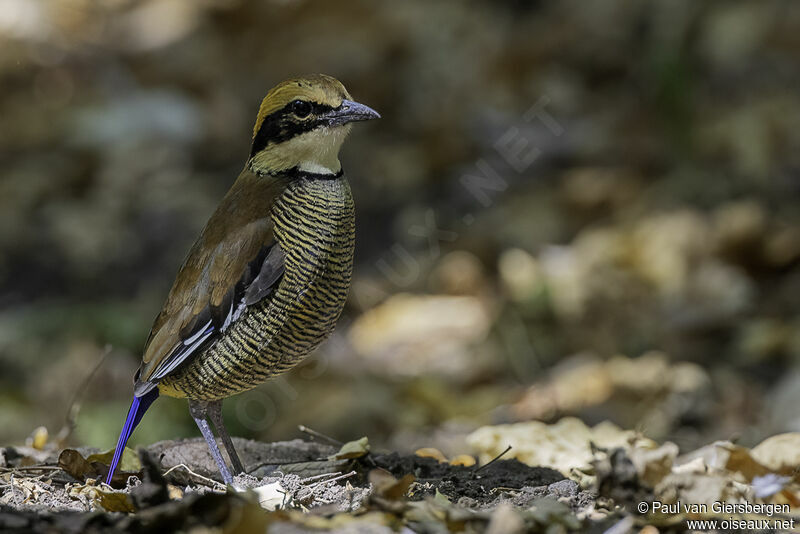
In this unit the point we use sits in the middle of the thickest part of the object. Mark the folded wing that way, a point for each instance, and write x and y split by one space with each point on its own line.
235 263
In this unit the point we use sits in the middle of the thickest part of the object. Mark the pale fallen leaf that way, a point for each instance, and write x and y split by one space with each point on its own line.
564 445
652 465
352 449
780 453
584 381
697 465
465 460
701 488
421 334
271 496
505 520
38 439
431 452
723 456
175 493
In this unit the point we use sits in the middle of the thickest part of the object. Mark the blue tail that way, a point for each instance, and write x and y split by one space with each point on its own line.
135 413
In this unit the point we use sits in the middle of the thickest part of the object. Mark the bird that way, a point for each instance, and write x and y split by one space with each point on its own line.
266 281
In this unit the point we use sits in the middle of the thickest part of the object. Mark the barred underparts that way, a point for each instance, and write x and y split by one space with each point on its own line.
315 226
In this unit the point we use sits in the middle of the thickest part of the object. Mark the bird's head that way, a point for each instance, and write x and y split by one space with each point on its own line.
302 123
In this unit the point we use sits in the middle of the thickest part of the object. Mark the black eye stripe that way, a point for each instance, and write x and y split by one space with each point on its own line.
282 125
316 107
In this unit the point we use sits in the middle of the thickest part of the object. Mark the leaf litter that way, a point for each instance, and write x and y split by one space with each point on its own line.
530 477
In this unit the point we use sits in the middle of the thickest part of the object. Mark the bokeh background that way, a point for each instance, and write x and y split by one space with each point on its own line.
568 208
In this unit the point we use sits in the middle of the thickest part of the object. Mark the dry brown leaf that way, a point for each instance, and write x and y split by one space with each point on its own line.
723 456
505 520
75 465
741 461
110 501
387 486
96 465
114 501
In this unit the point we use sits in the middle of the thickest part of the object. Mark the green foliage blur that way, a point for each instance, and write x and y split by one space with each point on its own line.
553 184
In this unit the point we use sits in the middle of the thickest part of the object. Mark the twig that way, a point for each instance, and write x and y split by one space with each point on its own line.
280 463
334 479
307 491
30 468
74 406
317 477
504 488
201 477
287 498
493 460
319 435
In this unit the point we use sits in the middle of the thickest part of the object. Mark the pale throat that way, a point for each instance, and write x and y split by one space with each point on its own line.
316 152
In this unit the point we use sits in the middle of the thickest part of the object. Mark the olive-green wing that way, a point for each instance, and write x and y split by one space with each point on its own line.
235 263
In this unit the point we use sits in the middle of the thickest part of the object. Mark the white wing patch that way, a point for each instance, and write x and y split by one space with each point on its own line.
234 314
263 284
183 351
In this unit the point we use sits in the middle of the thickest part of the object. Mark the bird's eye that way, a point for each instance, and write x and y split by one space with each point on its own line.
301 108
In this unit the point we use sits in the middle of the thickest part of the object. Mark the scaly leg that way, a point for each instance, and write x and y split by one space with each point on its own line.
215 414
199 409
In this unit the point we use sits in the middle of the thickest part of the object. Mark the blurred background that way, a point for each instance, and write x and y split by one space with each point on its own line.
568 208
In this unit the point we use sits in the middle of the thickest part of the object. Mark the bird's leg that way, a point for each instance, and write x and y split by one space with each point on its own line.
215 414
199 409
